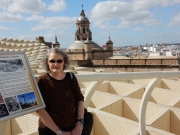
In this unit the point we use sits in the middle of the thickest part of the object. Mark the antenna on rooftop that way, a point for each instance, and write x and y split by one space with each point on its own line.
82 6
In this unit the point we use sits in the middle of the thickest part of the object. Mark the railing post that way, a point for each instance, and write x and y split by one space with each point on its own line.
153 83
89 92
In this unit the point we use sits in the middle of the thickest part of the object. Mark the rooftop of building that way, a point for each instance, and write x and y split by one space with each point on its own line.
80 45
119 57
161 57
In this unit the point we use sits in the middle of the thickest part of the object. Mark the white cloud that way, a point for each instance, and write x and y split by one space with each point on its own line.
6 2
27 36
50 36
31 6
139 17
57 5
164 36
138 29
175 21
118 31
27 6
104 32
146 4
110 9
55 23
157 35
134 12
98 23
65 39
6 28
35 18
8 17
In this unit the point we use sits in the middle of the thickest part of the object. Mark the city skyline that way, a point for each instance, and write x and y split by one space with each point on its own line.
128 22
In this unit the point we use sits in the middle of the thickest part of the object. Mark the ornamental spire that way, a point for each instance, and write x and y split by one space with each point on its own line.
82 12
56 42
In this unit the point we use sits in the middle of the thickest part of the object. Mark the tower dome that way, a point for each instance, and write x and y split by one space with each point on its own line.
82 17
109 41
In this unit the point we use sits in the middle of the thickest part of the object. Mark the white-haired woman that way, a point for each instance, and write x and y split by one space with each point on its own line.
59 116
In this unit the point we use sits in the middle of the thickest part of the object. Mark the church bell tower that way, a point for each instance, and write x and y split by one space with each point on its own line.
83 29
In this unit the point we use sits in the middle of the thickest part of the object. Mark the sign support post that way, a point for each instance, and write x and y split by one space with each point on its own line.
3 127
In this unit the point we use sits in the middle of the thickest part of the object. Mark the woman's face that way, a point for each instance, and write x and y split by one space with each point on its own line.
55 62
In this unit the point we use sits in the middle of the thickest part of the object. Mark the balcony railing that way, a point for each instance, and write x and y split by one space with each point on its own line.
123 103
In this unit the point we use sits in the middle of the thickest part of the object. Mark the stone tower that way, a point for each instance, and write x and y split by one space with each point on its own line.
109 44
40 39
88 49
83 29
56 43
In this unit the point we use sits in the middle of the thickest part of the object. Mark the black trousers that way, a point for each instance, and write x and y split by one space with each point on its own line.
48 131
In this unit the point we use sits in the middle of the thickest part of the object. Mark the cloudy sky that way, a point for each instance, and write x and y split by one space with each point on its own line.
129 22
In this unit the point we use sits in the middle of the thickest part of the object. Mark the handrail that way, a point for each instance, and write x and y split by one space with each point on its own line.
129 75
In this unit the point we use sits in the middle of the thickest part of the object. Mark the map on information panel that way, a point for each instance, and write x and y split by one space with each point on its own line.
18 90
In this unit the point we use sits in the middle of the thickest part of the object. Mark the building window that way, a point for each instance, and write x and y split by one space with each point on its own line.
83 30
78 38
79 30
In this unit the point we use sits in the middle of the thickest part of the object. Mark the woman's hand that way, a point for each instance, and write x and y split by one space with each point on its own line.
77 130
66 133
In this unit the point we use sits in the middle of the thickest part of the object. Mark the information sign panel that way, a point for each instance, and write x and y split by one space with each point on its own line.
19 93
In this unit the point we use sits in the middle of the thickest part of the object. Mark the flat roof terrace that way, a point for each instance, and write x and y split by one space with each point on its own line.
116 103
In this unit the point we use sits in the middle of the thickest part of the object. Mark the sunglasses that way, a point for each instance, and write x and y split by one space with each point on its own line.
58 61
